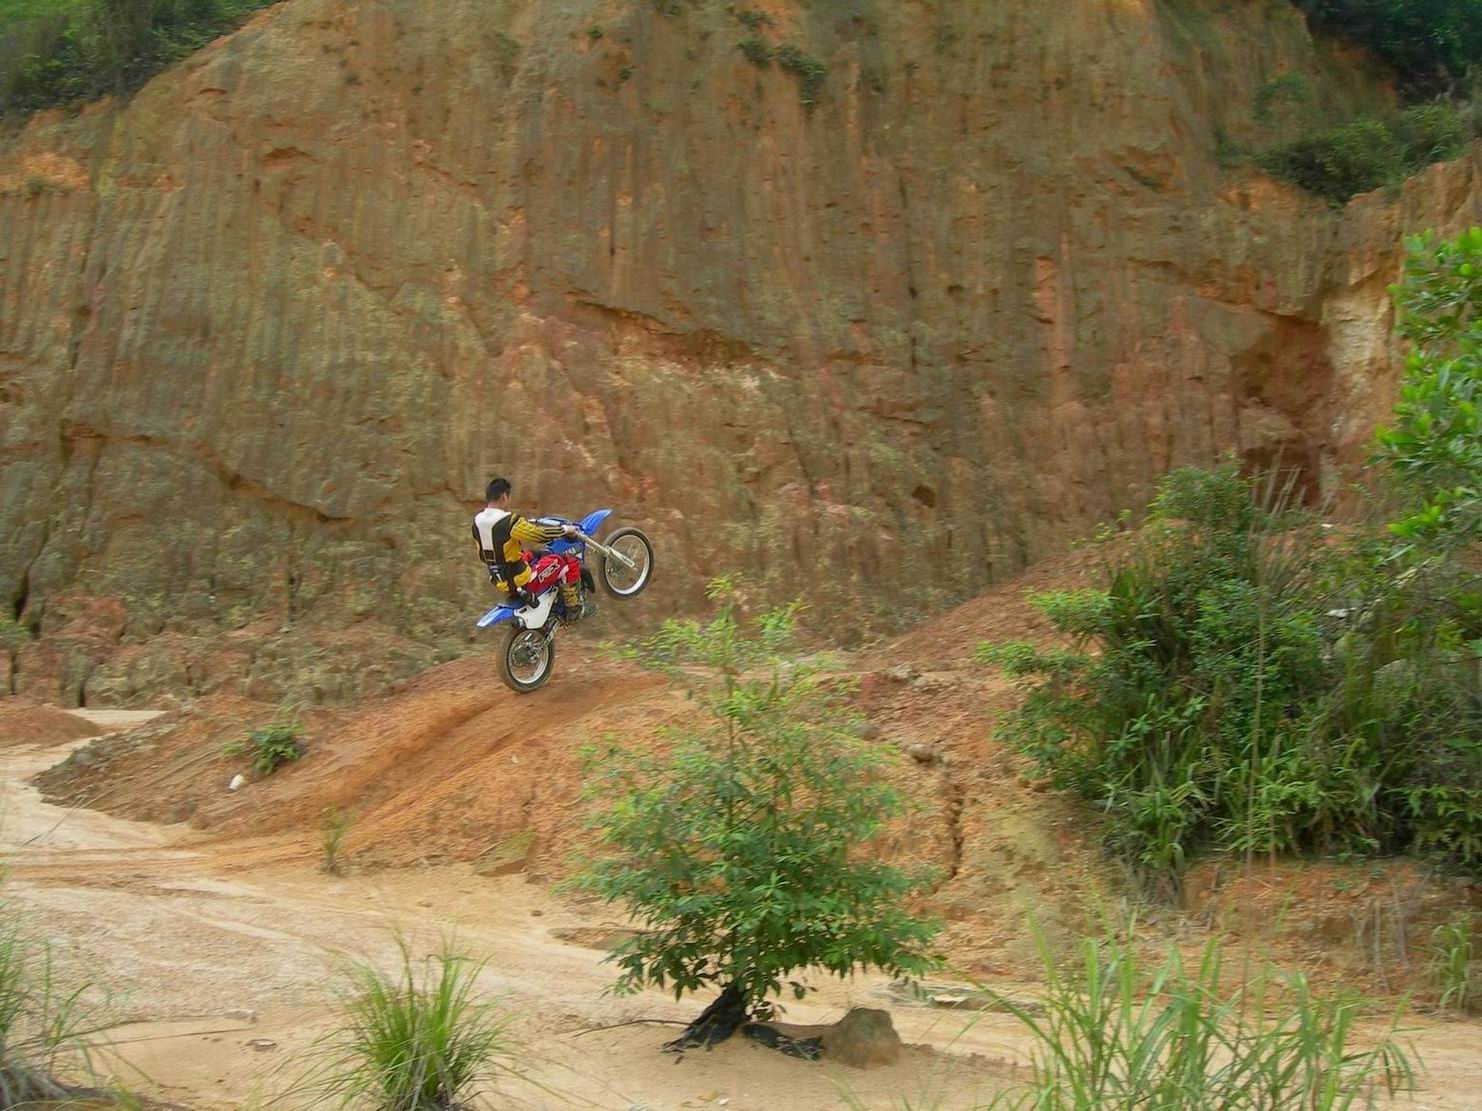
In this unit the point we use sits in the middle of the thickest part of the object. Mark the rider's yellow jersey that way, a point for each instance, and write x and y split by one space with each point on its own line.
502 536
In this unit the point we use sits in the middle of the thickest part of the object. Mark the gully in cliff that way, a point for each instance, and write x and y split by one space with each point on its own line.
547 592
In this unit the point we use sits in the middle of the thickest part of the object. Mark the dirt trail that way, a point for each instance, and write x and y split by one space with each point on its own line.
194 943
213 961
200 922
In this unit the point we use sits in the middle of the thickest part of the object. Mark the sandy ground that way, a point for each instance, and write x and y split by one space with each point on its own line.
221 959
222 972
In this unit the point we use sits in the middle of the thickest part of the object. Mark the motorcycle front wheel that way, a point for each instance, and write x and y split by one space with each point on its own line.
526 658
620 580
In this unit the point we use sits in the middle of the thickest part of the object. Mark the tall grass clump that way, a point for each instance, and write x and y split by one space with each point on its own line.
334 826
1248 678
45 1028
1455 965
1113 1031
417 1039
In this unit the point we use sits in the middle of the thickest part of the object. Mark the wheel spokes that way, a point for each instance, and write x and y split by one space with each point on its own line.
529 656
625 579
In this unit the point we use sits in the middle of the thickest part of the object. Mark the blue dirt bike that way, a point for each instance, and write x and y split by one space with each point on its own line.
527 652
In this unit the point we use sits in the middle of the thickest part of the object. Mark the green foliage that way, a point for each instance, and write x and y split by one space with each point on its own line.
594 32
1360 155
1115 1032
13 634
1455 965
275 745
43 1027
335 826
1432 44
1247 681
1434 445
750 18
63 52
417 1040
809 71
1286 90
742 850
758 52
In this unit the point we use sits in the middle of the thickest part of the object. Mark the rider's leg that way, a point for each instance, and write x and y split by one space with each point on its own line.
571 592
522 595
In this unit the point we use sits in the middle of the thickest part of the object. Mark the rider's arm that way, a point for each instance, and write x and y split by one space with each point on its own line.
528 532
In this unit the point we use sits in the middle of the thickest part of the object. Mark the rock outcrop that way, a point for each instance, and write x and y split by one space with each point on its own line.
912 321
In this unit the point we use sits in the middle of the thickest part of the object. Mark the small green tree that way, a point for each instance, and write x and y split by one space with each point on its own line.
1435 443
743 850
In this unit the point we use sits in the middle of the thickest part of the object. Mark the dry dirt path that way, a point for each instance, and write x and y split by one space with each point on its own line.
220 955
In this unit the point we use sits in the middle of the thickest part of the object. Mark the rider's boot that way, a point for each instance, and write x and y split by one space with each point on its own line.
571 599
576 606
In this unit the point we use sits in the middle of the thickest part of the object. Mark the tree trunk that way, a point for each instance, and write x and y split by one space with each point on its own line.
716 1023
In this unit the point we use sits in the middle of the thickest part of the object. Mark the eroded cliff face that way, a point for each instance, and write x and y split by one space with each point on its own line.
266 330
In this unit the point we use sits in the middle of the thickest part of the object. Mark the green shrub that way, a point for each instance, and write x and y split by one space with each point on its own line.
1114 1032
275 745
757 52
1434 445
62 52
740 850
1432 44
749 17
1290 88
1355 157
13 635
1246 681
1429 133
417 1040
1341 162
809 71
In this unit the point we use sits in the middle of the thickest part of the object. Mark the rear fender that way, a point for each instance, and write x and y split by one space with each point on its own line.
532 617
535 617
495 616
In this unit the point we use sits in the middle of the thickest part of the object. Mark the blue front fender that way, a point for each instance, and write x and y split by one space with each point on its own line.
591 522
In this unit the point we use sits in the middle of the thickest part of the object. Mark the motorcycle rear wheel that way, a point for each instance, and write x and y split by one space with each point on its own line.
526 658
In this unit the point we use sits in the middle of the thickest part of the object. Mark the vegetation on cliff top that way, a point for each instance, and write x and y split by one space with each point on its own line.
1433 45
60 51
1250 679
1341 161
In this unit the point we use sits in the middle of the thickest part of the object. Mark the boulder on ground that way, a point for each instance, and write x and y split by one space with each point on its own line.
864 1038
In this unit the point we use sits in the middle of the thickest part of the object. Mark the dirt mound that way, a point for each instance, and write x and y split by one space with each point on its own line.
450 766
159 771
25 723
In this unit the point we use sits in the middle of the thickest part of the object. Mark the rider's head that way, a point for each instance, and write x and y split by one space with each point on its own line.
498 492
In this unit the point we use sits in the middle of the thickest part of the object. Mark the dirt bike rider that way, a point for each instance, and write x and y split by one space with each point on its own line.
501 535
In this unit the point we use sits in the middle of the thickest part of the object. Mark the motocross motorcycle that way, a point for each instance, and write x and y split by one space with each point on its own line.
527 651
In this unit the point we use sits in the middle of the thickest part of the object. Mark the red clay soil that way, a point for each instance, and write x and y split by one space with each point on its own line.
451 766
25 723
